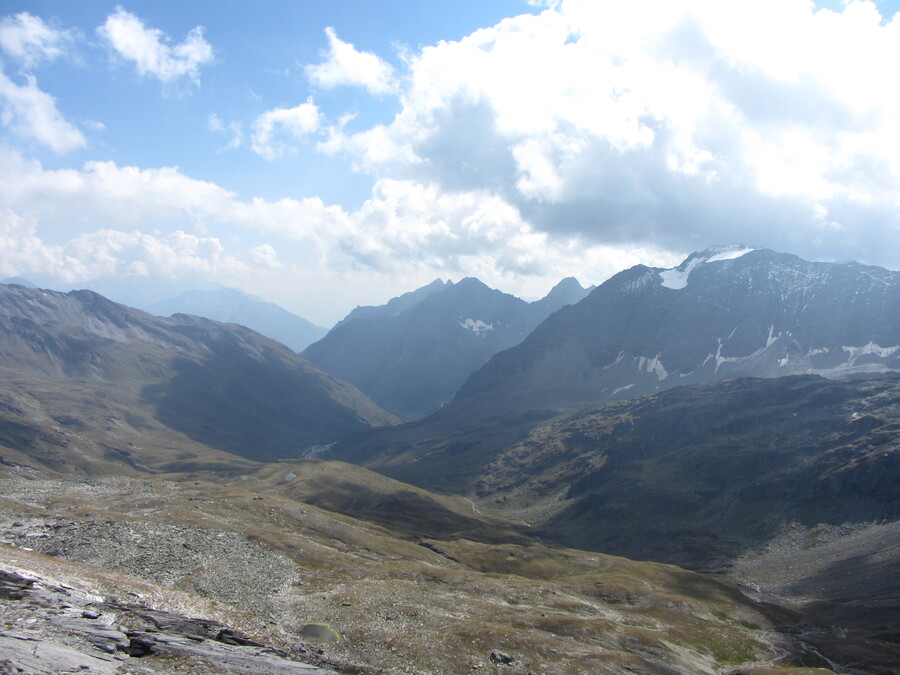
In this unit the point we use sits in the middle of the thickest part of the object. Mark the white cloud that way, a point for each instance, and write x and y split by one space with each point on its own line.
372 150
114 253
275 132
40 205
23 251
346 66
681 124
265 255
105 193
32 113
148 48
154 223
29 40
215 124
110 253
24 108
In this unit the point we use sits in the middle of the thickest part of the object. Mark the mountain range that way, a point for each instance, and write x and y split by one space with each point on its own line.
76 366
695 475
676 416
229 305
723 313
412 354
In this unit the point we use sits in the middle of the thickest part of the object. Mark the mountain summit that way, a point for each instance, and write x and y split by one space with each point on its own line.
412 354
722 313
678 277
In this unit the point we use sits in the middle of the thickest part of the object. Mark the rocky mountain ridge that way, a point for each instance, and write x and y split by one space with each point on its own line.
726 312
412 354
722 464
84 376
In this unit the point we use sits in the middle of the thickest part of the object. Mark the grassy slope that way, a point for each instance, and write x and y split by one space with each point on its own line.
436 606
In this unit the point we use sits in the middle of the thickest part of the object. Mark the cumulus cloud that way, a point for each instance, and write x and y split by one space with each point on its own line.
35 201
110 253
114 253
24 108
29 40
32 113
346 66
580 140
150 49
265 255
276 132
671 124
154 222
23 250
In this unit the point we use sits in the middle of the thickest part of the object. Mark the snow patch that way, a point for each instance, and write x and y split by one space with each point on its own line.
621 389
477 326
720 360
677 277
871 348
731 254
653 365
616 362
638 284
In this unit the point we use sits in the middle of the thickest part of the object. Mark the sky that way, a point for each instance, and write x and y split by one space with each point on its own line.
323 155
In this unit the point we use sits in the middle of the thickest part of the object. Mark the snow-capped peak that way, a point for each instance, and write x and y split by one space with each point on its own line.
677 277
729 252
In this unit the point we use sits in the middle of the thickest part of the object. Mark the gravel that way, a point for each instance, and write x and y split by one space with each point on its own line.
217 564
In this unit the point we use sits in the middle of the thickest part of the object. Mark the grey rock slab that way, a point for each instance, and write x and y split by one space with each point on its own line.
52 630
34 654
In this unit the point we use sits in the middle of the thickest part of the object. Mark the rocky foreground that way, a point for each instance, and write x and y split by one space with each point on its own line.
56 618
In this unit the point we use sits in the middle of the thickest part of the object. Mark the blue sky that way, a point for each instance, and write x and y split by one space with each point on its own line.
323 155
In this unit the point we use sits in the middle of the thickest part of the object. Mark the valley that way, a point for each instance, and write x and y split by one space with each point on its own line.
354 596
690 470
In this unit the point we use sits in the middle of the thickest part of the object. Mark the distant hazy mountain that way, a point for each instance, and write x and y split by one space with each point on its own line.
412 354
231 305
18 281
80 364
726 312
